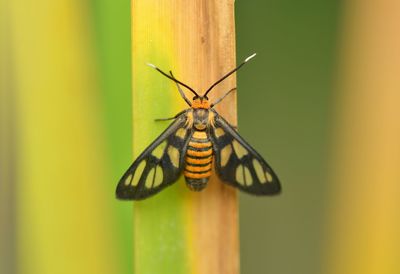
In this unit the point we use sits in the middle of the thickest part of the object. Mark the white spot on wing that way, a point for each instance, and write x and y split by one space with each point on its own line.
159 150
181 133
240 151
225 154
269 176
150 178
248 177
159 176
219 132
174 154
239 175
128 180
138 173
259 171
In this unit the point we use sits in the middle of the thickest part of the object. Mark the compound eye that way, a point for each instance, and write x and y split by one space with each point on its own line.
195 97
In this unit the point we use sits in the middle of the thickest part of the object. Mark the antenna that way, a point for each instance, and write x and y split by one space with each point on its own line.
228 74
173 79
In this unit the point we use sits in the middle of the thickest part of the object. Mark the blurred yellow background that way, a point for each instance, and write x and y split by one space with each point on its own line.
321 102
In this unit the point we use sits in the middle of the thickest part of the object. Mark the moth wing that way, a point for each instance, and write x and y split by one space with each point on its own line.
238 164
158 166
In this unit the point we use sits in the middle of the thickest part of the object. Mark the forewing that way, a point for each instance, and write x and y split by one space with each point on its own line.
158 166
238 164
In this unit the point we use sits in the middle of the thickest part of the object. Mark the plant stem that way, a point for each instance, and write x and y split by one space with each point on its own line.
178 231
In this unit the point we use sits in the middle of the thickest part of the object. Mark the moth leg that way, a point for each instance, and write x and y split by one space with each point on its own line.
222 97
181 91
170 118
164 119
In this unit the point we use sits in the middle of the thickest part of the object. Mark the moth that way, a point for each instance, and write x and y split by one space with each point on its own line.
197 138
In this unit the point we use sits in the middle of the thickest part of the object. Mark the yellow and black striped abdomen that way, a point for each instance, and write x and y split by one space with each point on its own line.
198 159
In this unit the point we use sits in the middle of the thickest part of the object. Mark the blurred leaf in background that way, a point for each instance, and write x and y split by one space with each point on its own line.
68 220
7 149
111 26
284 109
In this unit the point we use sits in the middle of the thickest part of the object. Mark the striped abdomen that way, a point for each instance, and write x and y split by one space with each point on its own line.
198 161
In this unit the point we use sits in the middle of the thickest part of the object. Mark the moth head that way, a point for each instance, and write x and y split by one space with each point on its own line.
200 102
200 118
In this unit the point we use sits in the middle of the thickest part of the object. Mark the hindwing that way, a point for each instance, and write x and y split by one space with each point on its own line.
159 165
238 164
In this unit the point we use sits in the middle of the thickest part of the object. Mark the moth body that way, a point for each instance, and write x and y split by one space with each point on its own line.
199 153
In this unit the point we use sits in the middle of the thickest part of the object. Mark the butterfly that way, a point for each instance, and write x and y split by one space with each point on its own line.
197 138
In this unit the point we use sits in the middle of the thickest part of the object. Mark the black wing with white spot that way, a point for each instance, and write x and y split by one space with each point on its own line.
158 166
238 164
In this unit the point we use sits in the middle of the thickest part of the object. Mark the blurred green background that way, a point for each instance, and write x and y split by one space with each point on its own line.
284 110
66 137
